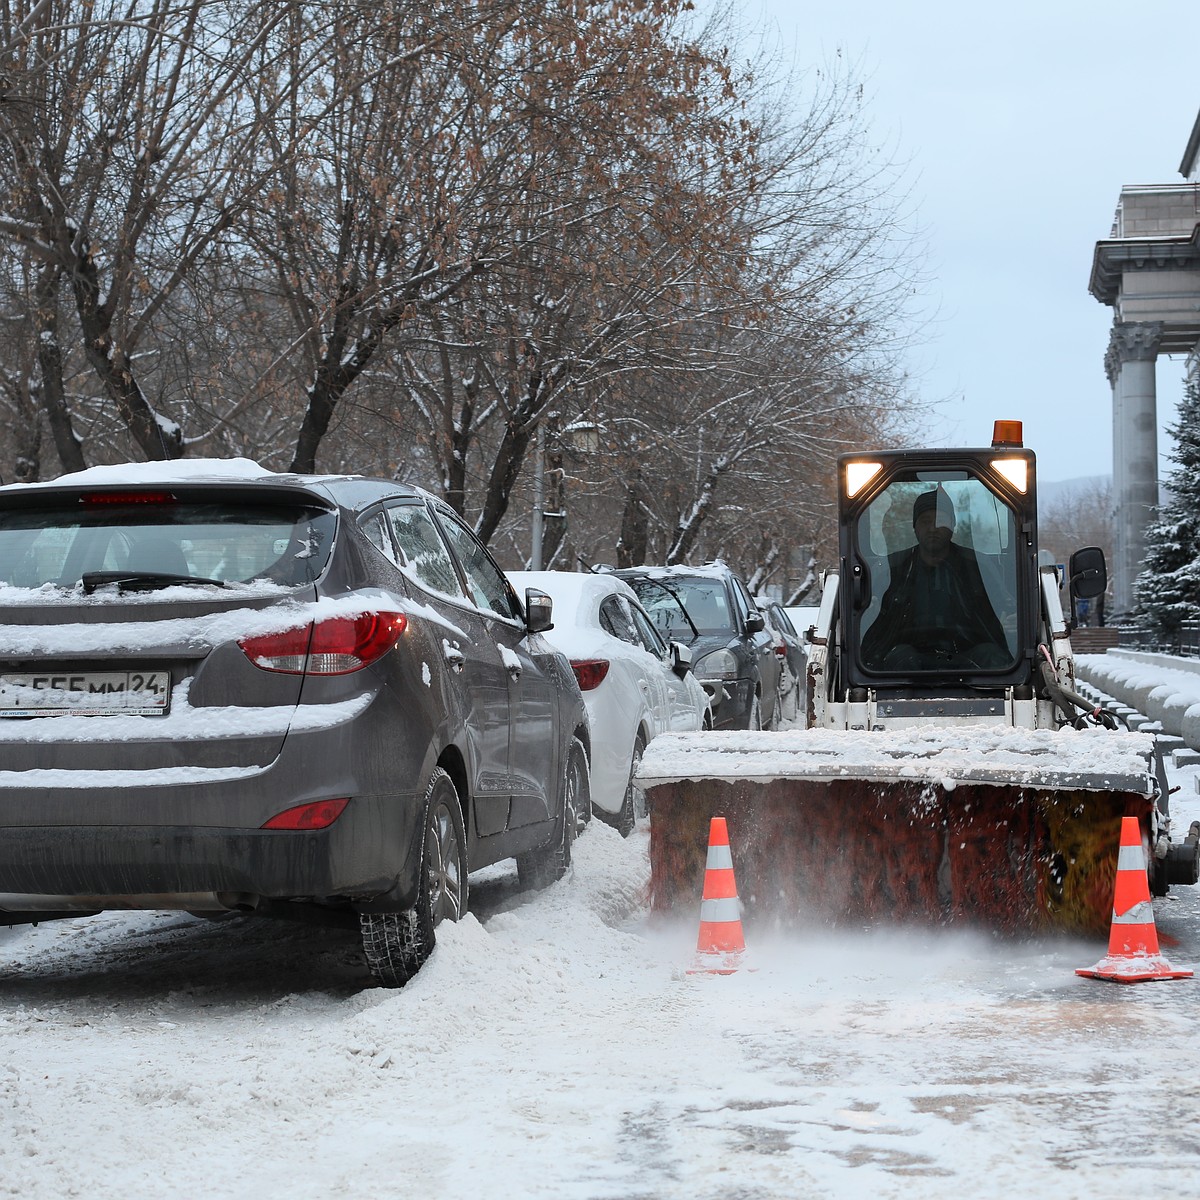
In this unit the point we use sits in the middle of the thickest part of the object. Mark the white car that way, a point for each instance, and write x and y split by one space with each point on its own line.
635 686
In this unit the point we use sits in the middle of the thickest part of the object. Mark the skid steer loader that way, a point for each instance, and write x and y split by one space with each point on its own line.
949 770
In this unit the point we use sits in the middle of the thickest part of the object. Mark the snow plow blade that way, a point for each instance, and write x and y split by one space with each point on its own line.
1009 830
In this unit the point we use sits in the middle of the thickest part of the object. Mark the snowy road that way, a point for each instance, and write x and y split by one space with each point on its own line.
556 1047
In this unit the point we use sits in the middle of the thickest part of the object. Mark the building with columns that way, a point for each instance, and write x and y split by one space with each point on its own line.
1148 271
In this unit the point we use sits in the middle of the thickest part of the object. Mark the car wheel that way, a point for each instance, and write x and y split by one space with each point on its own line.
755 719
541 867
634 800
584 810
397 944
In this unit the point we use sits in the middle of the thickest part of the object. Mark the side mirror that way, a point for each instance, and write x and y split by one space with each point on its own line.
681 658
755 623
539 611
1088 573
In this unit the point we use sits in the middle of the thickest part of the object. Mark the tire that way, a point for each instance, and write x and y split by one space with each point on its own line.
541 867
625 821
396 945
754 719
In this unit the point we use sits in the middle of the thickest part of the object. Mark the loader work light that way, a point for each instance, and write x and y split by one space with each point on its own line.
1015 470
859 474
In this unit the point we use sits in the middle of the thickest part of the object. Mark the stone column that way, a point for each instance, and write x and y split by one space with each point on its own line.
1129 363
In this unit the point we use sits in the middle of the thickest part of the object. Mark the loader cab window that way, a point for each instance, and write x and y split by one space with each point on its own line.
940 562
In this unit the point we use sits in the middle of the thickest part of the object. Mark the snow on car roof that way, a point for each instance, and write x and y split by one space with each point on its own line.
573 592
964 754
576 597
179 470
712 570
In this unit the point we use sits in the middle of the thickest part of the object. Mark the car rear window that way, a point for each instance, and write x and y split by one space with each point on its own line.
58 544
703 598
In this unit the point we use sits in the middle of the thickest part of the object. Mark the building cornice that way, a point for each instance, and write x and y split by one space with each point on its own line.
1115 257
1187 168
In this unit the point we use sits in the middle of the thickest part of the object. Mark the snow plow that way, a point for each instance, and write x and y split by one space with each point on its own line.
948 772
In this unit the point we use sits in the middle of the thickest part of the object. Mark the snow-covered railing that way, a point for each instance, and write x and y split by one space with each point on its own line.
1163 687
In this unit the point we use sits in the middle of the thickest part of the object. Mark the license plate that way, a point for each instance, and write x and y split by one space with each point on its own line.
85 693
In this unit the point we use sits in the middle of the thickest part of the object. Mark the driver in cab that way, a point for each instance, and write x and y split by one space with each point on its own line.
936 613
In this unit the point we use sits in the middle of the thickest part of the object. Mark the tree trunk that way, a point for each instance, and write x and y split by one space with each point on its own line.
510 456
688 528
507 466
157 439
49 353
635 530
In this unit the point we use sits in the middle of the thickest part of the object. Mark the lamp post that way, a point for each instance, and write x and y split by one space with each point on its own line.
539 498
580 437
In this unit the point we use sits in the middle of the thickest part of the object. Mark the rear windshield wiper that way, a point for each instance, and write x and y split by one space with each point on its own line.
142 581
678 600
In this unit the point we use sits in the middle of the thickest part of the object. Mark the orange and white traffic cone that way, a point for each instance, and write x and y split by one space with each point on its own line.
1133 952
720 946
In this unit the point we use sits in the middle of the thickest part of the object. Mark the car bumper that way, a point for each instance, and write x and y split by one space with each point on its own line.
369 850
729 702
169 836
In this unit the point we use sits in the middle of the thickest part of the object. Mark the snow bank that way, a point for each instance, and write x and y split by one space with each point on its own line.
1163 687
1095 758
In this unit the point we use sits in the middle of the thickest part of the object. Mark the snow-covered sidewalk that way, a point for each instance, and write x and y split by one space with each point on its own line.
556 1046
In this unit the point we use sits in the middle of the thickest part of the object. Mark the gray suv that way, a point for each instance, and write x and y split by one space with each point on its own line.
709 609
223 689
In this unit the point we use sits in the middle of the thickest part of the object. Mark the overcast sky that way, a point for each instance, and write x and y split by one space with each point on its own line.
1021 123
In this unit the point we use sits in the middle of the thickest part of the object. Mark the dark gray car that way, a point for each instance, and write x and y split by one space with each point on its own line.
794 659
709 609
292 695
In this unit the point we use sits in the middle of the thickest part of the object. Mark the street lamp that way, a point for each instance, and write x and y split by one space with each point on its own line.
580 437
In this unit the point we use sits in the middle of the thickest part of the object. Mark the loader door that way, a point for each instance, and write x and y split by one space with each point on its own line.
940 558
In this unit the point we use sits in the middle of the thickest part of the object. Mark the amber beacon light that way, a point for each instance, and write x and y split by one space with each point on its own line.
1007 434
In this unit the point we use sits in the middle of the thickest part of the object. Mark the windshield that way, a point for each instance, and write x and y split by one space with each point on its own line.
940 563
227 543
683 608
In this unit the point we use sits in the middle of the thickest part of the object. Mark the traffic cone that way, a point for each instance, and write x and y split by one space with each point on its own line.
720 946
1133 952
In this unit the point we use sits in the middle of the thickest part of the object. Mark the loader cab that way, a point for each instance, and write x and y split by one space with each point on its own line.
939 575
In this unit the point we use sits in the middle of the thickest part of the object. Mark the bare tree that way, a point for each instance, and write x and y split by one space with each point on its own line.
1075 515
129 149
426 237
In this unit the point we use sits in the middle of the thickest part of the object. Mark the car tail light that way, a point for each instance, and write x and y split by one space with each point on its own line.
127 498
590 672
320 814
335 646
781 651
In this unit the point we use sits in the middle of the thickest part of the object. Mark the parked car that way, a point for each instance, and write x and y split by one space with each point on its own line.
789 649
223 689
803 617
635 684
709 609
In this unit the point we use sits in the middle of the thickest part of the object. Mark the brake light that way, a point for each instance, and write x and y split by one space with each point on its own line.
127 498
590 672
320 814
336 646
781 652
